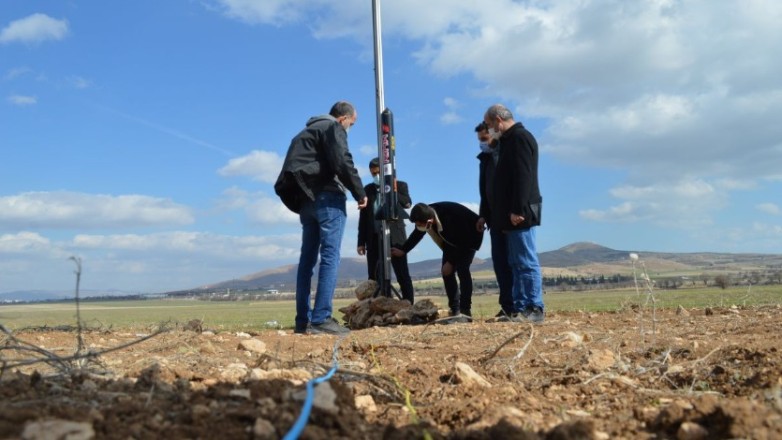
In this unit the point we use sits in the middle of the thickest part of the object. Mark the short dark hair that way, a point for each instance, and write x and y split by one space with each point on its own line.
374 163
342 108
421 213
481 127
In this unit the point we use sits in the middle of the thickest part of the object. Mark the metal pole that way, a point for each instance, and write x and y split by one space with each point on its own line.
384 279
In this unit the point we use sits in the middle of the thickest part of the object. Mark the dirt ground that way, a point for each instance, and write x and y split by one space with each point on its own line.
687 374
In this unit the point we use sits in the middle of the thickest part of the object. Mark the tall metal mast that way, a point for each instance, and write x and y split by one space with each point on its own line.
386 194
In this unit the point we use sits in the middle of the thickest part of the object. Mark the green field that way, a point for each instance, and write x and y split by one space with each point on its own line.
257 315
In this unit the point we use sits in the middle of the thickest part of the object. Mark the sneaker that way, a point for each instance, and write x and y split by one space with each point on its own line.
503 316
330 327
535 315
456 319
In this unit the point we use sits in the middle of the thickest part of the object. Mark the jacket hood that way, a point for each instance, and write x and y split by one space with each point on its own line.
315 119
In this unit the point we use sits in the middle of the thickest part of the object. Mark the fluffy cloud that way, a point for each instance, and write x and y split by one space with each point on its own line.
21 100
263 166
653 203
658 90
769 208
63 209
35 28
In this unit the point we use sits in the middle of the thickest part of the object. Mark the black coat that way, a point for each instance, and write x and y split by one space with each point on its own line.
318 160
485 183
368 227
516 189
458 223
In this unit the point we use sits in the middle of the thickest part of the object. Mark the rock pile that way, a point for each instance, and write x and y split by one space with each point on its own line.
371 311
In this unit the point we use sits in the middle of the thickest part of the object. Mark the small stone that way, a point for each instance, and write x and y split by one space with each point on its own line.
465 375
253 345
366 404
264 430
57 429
691 431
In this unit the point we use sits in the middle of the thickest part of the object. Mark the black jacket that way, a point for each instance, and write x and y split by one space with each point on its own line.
368 228
515 186
485 182
458 223
318 160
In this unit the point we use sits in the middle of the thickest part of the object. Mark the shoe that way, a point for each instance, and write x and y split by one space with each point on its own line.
535 315
330 327
456 319
302 330
503 316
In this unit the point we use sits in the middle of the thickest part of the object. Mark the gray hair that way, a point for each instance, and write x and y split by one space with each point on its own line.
342 108
499 111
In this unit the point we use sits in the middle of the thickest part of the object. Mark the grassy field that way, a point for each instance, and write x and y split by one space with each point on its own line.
257 315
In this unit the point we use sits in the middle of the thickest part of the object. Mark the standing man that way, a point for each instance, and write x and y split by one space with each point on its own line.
516 206
452 227
369 233
499 244
317 169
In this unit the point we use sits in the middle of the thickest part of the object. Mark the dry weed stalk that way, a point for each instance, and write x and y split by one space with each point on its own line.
650 297
64 365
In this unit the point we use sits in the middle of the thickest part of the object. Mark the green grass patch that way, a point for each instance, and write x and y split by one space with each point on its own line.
259 315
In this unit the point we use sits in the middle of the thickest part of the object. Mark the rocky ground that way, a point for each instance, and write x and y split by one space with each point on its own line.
684 374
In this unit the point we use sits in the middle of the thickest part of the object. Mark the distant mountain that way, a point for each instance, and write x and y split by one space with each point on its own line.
583 257
55 295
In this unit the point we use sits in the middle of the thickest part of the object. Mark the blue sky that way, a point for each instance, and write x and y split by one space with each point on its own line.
145 136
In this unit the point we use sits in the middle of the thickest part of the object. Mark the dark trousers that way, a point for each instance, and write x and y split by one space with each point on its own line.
502 270
459 294
401 271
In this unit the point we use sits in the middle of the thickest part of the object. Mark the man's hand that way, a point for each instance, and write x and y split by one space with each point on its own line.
397 252
447 269
363 203
516 219
361 250
480 226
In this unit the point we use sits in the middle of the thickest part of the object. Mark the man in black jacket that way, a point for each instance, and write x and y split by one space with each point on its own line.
369 234
452 227
317 169
499 244
516 206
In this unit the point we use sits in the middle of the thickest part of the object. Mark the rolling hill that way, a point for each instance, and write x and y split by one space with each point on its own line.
578 258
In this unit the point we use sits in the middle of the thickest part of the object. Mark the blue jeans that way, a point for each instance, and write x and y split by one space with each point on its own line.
322 226
523 259
502 270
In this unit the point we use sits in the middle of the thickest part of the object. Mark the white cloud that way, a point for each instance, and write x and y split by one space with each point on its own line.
63 209
151 263
687 204
449 118
79 82
21 100
263 166
35 28
259 207
769 208
17 72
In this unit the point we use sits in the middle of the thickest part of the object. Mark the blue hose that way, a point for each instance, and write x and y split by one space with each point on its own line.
301 422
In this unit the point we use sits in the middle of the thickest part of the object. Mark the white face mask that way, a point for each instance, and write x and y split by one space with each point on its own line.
376 179
422 228
495 134
485 147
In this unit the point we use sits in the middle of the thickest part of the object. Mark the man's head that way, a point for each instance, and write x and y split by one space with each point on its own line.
423 216
498 119
374 169
344 113
482 130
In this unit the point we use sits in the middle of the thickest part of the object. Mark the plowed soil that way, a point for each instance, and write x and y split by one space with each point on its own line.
686 374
